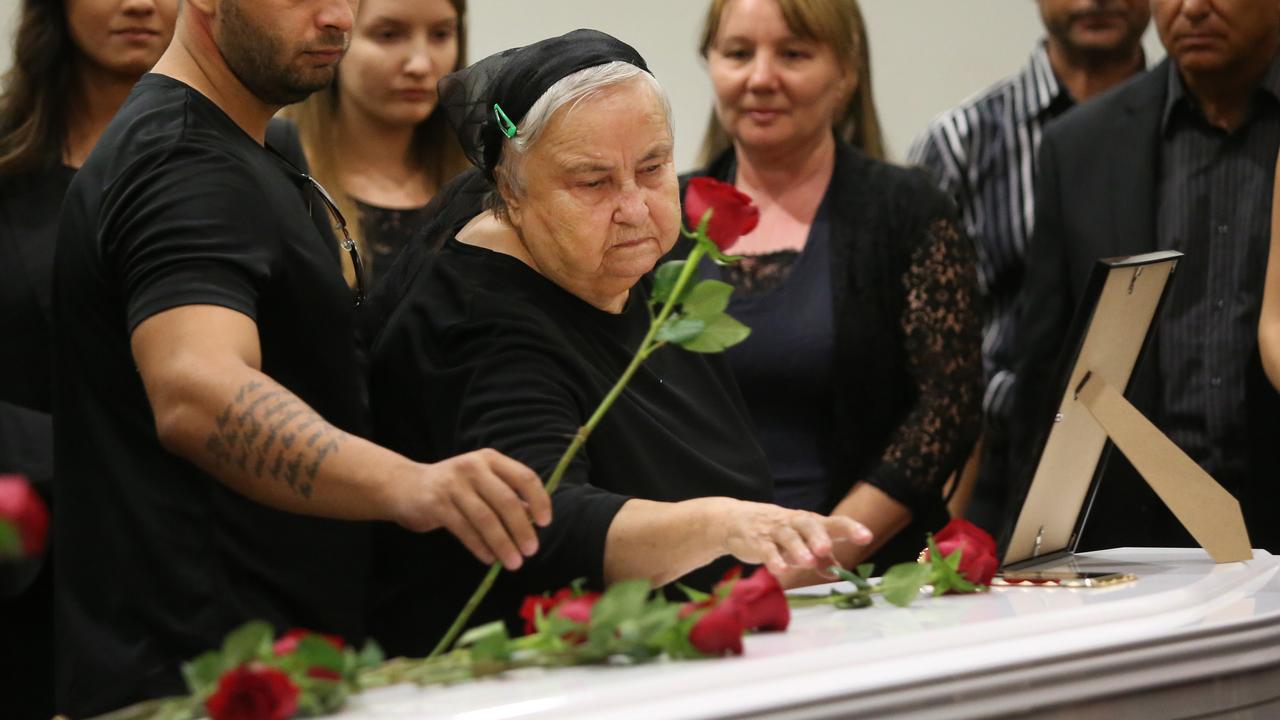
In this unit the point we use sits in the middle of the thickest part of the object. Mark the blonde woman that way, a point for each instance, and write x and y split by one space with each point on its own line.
374 137
863 370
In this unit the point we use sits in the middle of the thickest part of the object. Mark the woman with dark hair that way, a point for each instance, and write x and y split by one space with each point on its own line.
373 136
74 63
863 370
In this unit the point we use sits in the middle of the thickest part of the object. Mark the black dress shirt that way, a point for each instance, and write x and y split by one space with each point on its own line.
1214 204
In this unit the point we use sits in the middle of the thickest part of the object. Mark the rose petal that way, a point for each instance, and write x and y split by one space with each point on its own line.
719 630
733 214
762 602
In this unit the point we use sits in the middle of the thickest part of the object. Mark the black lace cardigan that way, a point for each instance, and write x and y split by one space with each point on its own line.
908 367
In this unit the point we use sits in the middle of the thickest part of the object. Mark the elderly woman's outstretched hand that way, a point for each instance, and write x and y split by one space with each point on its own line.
780 538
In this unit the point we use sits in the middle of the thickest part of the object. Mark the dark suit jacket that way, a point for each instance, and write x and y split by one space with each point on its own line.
1096 198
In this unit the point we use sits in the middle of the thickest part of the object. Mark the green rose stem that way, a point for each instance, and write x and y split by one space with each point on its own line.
801 601
647 348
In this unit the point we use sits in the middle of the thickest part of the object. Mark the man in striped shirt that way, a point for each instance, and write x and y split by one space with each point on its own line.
984 154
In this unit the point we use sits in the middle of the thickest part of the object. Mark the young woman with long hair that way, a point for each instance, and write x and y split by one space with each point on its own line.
374 138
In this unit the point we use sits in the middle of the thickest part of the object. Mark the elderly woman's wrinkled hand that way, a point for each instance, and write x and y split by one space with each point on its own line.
780 538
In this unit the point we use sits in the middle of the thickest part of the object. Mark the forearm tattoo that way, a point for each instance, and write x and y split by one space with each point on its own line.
267 430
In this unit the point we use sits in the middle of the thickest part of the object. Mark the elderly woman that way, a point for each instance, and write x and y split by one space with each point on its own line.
863 371
511 335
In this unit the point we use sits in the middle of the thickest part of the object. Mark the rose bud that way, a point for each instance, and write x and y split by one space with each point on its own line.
959 527
578 608
22 506
564 604
732 213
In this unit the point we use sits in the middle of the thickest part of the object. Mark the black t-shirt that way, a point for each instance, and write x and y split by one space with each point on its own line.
157 560
484 352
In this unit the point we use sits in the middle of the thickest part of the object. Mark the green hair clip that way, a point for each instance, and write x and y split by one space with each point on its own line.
507 127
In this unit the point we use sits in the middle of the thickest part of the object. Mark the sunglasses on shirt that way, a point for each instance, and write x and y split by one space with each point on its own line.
347 243
339 222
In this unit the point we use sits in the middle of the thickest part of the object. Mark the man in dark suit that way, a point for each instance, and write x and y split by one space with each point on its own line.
1178 159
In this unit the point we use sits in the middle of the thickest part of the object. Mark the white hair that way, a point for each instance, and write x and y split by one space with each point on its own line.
569 90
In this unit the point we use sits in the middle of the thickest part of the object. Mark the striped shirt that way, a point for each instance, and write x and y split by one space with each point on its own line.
1215 206
983 154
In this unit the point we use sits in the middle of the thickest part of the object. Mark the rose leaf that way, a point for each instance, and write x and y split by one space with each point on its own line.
721 332
250 641
903 581
487 642
202 673
679 330
371 654
664 281
706 300
693 595
315 651
10 540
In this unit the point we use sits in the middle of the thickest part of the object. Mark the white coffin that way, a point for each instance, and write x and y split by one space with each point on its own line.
1188 639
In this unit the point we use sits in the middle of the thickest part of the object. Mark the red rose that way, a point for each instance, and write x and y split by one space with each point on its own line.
22 506
529 611
977 550
577 609
733 214
719 630
959 527
253 694
287 644
564 603
761 602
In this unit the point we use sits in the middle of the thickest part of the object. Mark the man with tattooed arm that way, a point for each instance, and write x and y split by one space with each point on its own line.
209 400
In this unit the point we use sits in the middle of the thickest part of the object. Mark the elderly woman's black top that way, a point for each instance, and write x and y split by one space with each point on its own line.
482 351
901 390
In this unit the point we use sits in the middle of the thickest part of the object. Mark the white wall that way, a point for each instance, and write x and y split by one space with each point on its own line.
8 18
927 55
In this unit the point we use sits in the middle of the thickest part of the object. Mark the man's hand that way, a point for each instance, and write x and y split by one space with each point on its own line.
484 498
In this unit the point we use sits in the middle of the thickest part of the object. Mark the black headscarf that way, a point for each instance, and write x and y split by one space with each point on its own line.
513 80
